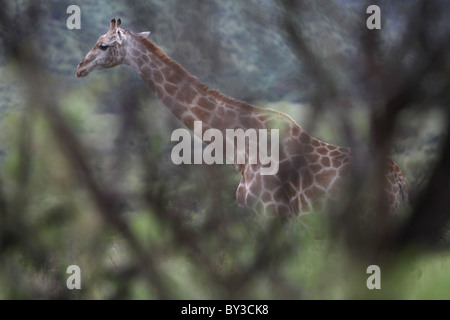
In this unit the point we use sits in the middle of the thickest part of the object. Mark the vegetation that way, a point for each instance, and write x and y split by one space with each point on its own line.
86 177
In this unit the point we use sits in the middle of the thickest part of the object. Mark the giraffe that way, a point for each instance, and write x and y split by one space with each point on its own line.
310 171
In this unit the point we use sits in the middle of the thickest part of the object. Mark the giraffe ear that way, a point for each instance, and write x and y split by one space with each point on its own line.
143 35
120 36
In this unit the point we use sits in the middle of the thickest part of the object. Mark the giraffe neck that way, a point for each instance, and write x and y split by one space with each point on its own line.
187 98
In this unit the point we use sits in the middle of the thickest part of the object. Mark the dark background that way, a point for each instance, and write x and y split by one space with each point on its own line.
86 176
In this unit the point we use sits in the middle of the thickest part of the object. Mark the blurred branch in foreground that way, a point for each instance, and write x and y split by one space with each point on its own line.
141 227
389 86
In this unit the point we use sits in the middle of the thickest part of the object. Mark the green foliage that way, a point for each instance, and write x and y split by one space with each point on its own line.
86 176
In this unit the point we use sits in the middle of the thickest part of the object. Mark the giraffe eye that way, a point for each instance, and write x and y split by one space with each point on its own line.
102 47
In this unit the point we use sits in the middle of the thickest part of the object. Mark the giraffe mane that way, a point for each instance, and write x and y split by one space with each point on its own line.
217 94
163 56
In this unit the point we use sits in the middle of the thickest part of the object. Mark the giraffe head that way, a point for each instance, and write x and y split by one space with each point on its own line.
109 51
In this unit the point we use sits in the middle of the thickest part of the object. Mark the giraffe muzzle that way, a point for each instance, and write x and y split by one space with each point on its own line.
85 66
81 70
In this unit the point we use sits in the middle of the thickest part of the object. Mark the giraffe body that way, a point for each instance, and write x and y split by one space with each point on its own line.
310 171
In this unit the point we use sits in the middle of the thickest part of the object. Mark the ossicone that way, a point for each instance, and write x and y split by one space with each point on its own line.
112 26
115 24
